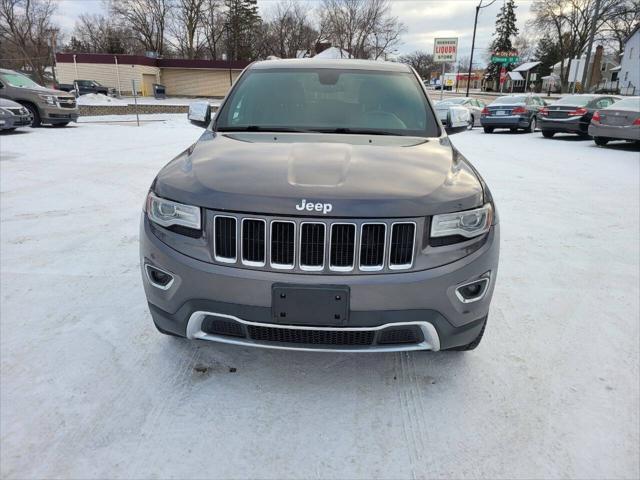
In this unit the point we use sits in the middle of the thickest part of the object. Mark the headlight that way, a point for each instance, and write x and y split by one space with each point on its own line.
48 99
4 112
469 223
167 213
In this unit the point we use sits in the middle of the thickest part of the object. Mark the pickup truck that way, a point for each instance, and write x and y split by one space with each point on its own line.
83 87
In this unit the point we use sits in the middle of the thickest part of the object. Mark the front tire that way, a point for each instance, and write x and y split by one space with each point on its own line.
548 133
488 129
60 125
471 122
601 141
35 114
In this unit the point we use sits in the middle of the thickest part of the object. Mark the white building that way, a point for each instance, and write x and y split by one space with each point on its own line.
629 76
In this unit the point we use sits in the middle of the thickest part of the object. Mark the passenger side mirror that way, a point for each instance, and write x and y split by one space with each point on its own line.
200 114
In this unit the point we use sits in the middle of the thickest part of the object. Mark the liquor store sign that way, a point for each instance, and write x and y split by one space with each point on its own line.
445 49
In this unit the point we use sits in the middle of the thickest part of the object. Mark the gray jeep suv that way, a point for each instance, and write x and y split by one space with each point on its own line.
324 209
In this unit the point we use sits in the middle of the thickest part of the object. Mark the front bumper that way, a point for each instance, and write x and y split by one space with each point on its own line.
14 121
54 114
504 121
615 132
425 300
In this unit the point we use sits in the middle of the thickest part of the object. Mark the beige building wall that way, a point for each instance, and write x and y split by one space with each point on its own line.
197 82
106 74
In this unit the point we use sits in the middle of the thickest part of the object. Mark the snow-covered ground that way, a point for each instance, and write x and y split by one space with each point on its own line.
89 389
100 99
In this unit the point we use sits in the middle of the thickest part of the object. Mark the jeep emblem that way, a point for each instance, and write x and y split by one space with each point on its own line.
317 207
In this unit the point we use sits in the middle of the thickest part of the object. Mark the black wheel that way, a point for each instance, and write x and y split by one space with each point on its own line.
532 126
548 133
472 345
471 122
488 129
513 130
35 114
60 125
601 141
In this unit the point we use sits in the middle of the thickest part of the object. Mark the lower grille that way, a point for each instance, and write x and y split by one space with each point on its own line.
310 337
218 326
399 335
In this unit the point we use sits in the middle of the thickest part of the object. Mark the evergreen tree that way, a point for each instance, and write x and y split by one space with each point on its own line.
242 24
506 29
548 53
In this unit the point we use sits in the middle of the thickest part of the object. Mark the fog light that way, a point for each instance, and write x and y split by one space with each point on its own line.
473 291
159 278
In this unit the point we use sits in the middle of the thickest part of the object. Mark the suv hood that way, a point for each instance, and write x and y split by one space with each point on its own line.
359 175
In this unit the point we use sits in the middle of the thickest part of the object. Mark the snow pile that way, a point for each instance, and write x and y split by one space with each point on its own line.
98 99
333 53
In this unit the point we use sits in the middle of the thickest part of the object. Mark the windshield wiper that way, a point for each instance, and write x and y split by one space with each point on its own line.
359 131
260 128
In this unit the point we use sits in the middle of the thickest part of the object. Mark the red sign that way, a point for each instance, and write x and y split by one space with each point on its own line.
503 75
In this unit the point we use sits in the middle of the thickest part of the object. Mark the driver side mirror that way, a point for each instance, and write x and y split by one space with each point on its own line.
200 114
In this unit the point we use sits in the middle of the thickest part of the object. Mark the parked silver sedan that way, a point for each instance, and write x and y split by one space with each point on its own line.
620 121
473 105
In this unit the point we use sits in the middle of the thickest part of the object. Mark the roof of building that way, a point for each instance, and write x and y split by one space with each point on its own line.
525 67
111 59
515 76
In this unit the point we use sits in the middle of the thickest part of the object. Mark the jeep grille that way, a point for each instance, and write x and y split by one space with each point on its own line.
314 245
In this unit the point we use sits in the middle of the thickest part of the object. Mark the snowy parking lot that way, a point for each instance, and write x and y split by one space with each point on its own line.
91 390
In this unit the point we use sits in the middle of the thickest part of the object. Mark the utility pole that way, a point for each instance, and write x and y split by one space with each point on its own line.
53 32
473 41
586 74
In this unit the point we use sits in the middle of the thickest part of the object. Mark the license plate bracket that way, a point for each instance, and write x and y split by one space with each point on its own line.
317 305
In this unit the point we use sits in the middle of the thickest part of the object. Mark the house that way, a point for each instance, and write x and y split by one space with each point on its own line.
522 78
603 72
629 75
189 78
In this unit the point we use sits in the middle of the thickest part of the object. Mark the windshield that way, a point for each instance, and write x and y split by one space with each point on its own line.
575 100
328 100
18 80
631 103
510 100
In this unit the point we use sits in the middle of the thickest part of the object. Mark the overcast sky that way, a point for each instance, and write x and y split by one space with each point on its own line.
424 19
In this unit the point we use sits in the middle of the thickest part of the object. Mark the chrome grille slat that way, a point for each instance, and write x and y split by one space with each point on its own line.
283 244
315 245
224 247
253 242
312 240
372 246
343 246
402 244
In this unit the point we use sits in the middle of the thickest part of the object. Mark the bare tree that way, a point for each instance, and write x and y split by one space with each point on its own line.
213 21
421 61
25 31
187 28
100 34
569 22
364 28
147 19
288 30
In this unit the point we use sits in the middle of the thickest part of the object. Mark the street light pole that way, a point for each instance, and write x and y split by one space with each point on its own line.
473 41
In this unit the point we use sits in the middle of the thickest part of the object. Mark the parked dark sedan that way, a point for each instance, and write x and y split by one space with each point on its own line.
572 114
620 121
513 112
